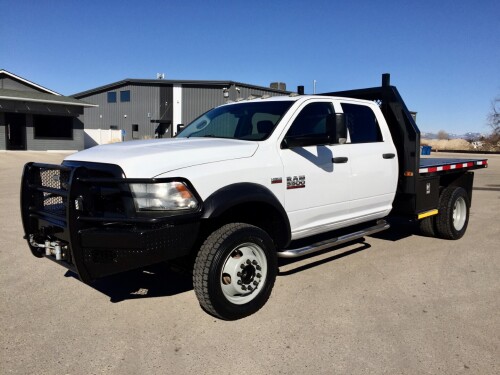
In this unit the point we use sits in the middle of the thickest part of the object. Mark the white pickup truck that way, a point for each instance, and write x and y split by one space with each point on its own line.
239 186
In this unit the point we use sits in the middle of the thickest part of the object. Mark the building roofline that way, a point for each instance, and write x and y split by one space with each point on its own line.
163 82
48 101
33 84
40 97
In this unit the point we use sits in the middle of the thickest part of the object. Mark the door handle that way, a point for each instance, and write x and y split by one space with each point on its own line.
388 156
340 160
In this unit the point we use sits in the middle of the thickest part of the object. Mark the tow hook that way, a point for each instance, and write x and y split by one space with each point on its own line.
58 249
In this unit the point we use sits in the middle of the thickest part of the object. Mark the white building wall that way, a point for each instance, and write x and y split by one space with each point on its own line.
177 108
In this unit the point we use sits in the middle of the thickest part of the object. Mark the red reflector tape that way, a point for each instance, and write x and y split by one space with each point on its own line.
453 166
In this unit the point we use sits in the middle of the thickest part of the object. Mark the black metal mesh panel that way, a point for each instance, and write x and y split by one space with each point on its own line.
53 179
54 204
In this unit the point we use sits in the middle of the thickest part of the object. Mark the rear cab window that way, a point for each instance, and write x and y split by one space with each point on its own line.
362 123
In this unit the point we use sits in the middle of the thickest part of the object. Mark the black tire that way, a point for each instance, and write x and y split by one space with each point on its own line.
453 217
232 247
428 226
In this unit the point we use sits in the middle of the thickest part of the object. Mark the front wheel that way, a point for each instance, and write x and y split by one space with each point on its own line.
234 271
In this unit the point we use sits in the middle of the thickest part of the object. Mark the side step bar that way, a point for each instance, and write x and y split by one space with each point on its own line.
295 253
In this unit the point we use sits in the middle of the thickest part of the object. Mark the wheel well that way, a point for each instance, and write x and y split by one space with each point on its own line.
260 214
464 180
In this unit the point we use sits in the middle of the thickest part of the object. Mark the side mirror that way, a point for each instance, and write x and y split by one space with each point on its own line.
340 135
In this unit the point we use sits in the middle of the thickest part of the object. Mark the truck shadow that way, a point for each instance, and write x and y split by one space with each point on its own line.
400 229
163 280
159 280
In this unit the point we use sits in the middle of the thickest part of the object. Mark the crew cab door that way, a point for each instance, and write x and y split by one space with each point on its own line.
317 176
373 161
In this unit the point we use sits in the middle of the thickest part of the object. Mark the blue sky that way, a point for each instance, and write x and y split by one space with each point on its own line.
444 56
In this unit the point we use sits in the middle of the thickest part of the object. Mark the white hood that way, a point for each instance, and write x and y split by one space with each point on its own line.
147 159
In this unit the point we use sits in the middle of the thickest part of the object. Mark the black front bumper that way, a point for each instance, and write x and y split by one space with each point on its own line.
87 210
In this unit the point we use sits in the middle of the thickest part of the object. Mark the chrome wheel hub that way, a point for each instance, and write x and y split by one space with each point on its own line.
244 273
459 213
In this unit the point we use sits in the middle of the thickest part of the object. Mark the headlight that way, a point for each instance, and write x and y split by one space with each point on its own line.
165 196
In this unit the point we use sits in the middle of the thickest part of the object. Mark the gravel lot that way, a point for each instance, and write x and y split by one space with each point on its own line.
398 303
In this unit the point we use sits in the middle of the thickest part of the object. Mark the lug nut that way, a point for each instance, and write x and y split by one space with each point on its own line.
248 261
244 287
238 274
258 268
255 283
239 282
259 275
242 266
250 288
254 262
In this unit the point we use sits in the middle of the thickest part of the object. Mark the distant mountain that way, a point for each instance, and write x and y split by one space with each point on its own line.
428 135
470 136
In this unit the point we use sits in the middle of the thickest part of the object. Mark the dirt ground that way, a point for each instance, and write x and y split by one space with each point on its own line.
397 303
445 144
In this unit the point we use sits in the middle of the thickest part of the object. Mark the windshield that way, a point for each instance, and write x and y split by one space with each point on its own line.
252 121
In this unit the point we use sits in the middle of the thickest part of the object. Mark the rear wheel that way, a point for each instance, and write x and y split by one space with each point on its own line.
453 217
234 271
428 226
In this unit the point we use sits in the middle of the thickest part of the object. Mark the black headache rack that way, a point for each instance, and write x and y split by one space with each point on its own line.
411 198
404 130
82 215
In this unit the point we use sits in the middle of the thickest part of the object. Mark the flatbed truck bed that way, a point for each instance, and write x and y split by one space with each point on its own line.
436 165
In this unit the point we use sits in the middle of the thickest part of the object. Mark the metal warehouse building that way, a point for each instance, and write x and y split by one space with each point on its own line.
33 117
145 108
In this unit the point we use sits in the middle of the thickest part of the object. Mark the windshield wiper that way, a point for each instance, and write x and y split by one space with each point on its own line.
208 136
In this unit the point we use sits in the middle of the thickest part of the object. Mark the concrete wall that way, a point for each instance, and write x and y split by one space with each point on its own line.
94 137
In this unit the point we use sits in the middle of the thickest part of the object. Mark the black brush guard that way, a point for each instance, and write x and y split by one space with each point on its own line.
86 211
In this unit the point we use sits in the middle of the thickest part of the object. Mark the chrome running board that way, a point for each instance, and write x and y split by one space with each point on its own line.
301 251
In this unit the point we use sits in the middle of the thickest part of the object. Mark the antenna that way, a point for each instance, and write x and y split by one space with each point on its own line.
160 75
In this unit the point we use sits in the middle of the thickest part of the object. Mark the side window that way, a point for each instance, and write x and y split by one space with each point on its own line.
112 97
312 120
362 124
125 96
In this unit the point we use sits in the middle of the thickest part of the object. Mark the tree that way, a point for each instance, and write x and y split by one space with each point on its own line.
492 140
442 134
494 121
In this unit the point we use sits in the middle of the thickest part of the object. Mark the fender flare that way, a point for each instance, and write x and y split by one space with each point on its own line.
243 192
